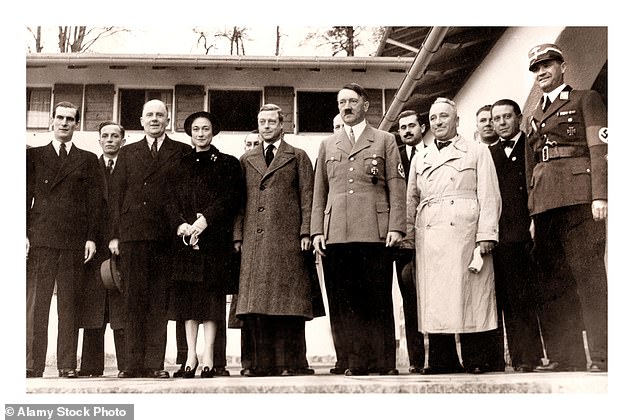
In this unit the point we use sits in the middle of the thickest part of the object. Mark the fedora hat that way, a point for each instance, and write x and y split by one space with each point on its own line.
110 274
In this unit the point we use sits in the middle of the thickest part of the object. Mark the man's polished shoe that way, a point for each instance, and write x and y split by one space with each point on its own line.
415 369
30 373
524 368
179 372
220 371
67 373
389 372
556 367
597 368
287 372
128 374
355 372
338 370
476 370
254 373
442 371
305 371
157 374
89 373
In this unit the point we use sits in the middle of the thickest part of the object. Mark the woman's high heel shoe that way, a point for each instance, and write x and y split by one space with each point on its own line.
207 372
189 372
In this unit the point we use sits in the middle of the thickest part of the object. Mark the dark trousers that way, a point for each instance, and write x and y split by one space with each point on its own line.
145 270
276 342
220 345
475 349
569 250
45 268
92 349
515 291
407 285
358 279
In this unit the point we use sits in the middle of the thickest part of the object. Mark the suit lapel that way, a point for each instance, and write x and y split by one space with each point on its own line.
256 159
72 162
363 142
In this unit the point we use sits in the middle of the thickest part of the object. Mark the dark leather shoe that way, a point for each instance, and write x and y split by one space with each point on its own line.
30 373
556 367
596 368
157 374
179 372
125 374
355 372
524 368
89 373
220 371
442 371
389 372
207 372
476 370
67 373
190 372
287 372
415 369
338 370
305 371
255 373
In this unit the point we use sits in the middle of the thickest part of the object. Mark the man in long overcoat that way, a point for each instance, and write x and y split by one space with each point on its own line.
453 206
275 290
98 306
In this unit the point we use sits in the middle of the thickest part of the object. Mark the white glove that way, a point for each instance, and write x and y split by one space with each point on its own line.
477 262
199 225
183 230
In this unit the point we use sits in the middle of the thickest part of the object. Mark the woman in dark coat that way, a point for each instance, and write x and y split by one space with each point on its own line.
206 196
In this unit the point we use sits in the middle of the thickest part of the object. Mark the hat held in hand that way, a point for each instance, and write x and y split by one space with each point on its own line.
110 274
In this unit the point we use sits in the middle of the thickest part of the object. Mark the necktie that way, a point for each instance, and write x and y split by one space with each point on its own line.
547 103
441 144
411 156
352 139
62 152
268 156
154 149
110 166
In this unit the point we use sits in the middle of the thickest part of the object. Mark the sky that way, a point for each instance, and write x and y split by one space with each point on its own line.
181 39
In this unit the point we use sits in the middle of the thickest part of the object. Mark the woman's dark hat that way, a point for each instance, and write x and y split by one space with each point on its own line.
215 124
110 274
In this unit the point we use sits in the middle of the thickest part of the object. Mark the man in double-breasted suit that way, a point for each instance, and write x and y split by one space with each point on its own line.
98 306
358 215
63 197
566 173
276 283
410 129
141 236
515 283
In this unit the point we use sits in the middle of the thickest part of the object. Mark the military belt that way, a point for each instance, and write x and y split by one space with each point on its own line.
554 151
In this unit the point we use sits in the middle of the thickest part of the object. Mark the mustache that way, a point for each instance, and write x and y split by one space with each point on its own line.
347 112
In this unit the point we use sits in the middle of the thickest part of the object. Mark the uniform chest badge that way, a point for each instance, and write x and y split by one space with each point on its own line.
571 131
401 170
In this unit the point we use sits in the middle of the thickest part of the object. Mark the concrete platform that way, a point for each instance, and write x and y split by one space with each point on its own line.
325 383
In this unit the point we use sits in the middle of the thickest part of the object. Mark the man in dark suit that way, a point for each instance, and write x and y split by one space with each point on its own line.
358 215
141 236
515 285
410 129
97 305
566 174
63 197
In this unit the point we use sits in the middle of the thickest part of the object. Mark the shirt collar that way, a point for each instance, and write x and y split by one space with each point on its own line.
57 143
276 145
358 129
552 95
159 140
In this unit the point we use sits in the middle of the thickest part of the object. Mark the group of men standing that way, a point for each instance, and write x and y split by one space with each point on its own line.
483 238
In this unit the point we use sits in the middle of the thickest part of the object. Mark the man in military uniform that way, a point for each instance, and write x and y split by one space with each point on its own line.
566 170
358 215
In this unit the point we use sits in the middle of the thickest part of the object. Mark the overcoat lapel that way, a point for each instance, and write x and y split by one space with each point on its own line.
284 155
455 150
256 159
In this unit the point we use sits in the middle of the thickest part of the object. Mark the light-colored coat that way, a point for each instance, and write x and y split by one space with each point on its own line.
274 276
453 201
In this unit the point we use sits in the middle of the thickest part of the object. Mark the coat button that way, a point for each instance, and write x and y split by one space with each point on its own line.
144 203
451 223
451 202
262 187
351 192
351 180
351 169
260 209
260 230
351 158
46 181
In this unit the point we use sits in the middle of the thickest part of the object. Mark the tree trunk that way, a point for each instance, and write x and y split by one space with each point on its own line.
350 43
277 41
